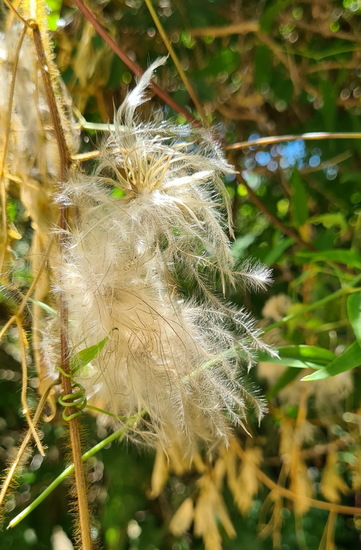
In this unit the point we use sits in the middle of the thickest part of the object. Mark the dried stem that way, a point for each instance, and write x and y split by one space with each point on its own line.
5 147
273 219
244 27
84 519
176 61
134 67
25 443
309 136
23 345
290 495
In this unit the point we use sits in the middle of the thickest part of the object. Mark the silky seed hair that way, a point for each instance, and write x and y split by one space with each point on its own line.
155 212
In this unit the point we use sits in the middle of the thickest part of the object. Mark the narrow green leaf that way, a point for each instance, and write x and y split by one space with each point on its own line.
269 14
286 378
299 199
299 357
43 306
349 359
328 110
341 256
263 66
334 219
276 252
354 313
84 356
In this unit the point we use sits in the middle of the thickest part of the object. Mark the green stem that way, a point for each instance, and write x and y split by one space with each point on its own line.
70 469
315 305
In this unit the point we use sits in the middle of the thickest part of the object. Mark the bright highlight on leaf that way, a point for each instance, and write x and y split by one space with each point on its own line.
354 313
349 359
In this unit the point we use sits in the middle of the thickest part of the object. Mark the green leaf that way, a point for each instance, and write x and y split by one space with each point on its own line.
54 13
276 251
45 307
224 61
349 359
334 219
299 199
269 15
263 66
84 356
354 313
341 256
324 52
241 245
286 378
300 357
328 109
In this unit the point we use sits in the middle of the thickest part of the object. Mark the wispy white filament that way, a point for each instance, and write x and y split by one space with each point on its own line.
153 215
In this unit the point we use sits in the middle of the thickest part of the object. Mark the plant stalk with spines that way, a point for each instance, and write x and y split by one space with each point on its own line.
65 373
30 23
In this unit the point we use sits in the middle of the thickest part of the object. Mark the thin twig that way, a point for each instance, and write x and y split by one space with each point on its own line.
273 219
25 442
5 147
293 137
84 519
226 30
176 61
24 387
314 305
134 67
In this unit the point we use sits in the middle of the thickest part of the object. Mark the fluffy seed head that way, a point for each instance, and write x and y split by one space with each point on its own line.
150 216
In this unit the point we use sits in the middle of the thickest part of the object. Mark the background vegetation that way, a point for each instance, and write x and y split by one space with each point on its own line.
256 68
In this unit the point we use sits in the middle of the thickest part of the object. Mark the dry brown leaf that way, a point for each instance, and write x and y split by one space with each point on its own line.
247 479
301 486
210 510
332 484
160 474
182 519
286 436
179 464
242 478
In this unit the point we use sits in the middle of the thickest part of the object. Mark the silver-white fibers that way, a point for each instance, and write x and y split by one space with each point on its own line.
151 215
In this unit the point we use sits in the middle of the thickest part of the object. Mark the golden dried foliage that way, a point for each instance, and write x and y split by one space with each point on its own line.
332 483
242 476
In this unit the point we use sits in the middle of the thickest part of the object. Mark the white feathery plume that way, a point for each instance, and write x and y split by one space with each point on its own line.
32 147
152 214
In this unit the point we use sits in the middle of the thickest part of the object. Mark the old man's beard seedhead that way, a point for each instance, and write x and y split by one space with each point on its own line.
153 215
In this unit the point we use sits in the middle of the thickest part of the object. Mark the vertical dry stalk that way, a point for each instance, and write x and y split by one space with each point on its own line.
84 519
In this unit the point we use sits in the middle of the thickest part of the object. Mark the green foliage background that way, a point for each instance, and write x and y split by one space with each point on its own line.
259 68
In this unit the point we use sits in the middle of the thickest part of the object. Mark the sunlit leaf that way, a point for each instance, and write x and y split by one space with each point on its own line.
354 313
84 356
301 357
349 359
347 257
